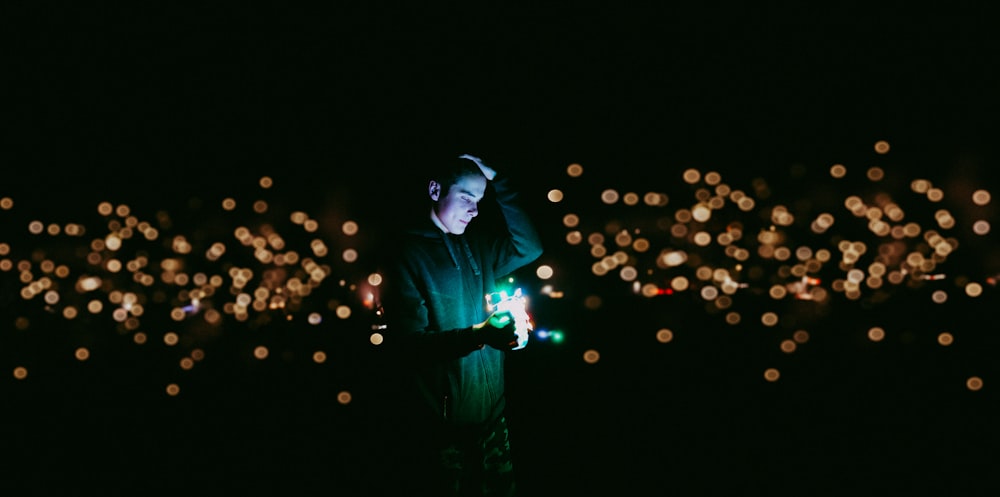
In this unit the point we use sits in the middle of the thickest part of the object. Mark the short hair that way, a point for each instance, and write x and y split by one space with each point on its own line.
448 173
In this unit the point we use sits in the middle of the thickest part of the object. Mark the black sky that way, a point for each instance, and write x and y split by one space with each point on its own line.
189 96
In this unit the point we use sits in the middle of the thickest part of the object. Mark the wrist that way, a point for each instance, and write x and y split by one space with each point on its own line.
474 336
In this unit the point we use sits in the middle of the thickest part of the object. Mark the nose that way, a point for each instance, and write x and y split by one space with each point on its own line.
474 210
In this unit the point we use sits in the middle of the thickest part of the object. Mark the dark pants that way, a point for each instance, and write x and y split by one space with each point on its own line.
449 461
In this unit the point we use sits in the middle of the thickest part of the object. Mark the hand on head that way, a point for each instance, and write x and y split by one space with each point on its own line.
487 170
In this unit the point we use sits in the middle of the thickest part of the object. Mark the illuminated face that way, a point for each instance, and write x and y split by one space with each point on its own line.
454 211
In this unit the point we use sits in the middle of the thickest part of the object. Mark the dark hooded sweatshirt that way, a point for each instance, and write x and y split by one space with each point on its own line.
434 292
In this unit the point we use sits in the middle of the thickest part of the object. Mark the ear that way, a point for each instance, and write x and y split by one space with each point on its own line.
434 190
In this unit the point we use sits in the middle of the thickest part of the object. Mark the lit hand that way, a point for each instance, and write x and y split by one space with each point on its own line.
499 330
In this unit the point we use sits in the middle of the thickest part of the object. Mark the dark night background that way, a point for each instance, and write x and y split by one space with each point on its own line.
174 109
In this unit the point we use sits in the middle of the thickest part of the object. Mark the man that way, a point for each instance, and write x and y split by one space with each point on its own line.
444 340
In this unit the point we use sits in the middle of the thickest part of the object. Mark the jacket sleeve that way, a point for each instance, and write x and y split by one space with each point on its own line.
522 245
408 322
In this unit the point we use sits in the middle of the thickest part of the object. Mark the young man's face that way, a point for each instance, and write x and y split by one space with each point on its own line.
453 212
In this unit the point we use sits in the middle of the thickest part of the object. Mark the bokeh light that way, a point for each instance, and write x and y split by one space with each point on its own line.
747 253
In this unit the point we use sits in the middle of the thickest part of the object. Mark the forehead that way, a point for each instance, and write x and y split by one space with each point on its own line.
469 185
